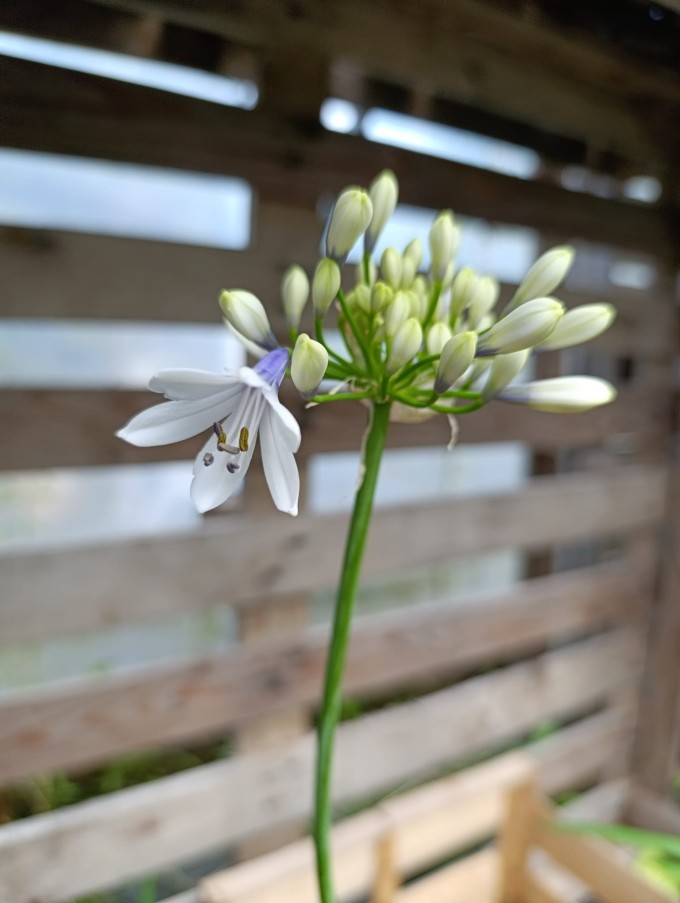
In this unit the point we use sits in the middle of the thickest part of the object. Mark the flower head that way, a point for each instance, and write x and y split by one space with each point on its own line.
236 407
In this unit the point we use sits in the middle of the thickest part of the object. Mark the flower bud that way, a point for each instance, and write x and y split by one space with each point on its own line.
417 303
325 285
408 272
396 314
391 266
381 296
246 314
437 336
414 252
360 297
503 370
462 290
349 220
405 344
384 193
372 272
544 276
484 297
419 286
308 365
581 324
522 328
562 395
456 357
295 291
443 243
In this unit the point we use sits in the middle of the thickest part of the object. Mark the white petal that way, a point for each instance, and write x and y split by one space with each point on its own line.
288 429
213 483
174 421
280 468
256 350
187 385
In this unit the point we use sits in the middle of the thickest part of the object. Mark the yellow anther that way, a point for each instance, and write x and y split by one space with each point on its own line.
221 438
243 439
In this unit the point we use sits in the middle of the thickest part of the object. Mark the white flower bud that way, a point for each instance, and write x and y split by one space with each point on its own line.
360 297
405 344
418 304
396 313
245 313
462 290
456 357
295 291
503 370
308 365
349 220
372 272
419 286
408 272
414 252
581 324
437 336
484 297
562 395
443 243
325 285
391 266
522 328
381 296
544 276
384 194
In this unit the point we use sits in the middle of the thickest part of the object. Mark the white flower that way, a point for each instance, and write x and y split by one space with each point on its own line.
563 394
236 406
308 365
522 328
384 193
543 277
349 220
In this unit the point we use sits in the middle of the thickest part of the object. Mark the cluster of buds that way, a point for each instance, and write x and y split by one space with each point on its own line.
427 339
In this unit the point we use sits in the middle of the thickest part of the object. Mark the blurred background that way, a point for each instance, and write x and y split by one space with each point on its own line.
154 152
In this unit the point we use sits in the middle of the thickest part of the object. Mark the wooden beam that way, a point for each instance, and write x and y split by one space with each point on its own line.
56 110
470 51
81 723
95 587
107 841
652 811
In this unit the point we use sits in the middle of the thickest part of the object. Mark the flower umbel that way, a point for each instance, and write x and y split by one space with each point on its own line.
236 407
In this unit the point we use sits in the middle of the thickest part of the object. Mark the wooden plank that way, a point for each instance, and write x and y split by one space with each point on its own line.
104 842
518 827
81 723
653 812
60 111
128 582
468 51
82 426
473 878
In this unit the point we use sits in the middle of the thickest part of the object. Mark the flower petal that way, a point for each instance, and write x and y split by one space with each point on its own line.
174 421
288 427
213 483
188 385
280 468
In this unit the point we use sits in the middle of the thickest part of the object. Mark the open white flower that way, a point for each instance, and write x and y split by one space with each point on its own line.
235 406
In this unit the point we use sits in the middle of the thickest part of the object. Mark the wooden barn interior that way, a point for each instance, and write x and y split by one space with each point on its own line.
520 620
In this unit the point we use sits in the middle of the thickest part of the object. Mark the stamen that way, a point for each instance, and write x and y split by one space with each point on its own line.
219 432
232 466
243 439
208 459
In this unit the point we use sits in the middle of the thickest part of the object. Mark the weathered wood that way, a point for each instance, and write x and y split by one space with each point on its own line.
60 592
469 51
82 426
653 812
59 111
80 723
107 841
517 830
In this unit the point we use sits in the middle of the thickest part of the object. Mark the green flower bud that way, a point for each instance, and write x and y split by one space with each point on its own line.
419 286
349 220
484 297
245 313
462 290
544 276
360 297
381 296
405 344
308 365
414 252
522 328
581 324
384 194
562 395
503 370
418 304
408 272
325 285
295 291
397 312
456 357
437 336
391 266
443 243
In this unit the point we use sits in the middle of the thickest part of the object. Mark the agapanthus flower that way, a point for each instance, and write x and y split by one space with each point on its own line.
236 406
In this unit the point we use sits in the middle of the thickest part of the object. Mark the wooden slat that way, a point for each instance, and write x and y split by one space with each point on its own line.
653 812
60 592
83 722
82 426
473 878
107 841
59 111
483 55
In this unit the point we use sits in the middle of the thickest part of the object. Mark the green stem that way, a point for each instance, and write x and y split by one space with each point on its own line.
358 335
374 443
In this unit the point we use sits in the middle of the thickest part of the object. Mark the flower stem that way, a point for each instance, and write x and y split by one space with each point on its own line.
374 443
